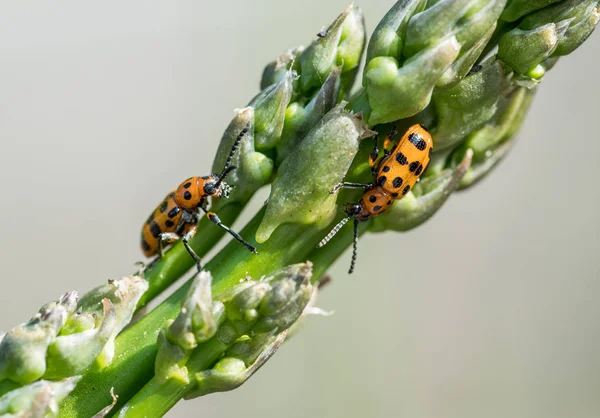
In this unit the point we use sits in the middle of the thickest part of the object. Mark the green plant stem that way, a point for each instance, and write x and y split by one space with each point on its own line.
133 365
156 399
177 261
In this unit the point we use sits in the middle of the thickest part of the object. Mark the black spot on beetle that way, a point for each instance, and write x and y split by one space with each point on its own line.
155 229
187 185
381 181
163 206
386 169
394 195
376 208
413 166
430 152
406 190
372 199
169 223
187 195
419 170
389 202
417 141
145 245
401 158
397 182
174 212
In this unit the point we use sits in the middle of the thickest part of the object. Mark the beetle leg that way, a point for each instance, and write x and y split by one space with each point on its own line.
389 139
190 231
350 186
215 219
168 238
374 157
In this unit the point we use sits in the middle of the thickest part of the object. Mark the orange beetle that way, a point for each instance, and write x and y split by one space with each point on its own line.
394 175
177 216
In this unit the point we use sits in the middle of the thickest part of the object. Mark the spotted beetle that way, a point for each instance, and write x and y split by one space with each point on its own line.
178 215
395 173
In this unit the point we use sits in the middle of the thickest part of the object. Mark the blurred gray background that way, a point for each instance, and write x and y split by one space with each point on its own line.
492 308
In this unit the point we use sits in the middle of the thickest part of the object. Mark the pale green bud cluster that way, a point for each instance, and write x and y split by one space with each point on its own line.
298 88
64 339
545 34
419 46
68 335
38 399
301 190
249 320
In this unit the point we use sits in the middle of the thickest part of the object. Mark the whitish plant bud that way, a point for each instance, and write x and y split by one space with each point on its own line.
199 317
300 119
397 91
171 358
23 349
275 71
253 169
69 355
473 31
231 372
522 50
553 31
468 105
284 303
124 294
39 399
351 46
269 112
389 36
301 190
493 141
339 45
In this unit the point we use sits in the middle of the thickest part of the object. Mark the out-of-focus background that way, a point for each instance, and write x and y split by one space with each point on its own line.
490 309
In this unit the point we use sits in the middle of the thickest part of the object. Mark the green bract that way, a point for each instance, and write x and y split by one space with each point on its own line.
413 50
553 31
269 112
519 8
68 335
253 169
468 105
300 119
341 44
301 190
38 399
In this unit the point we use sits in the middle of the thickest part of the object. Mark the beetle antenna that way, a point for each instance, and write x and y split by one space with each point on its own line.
334 231
227 168
223 175
354 247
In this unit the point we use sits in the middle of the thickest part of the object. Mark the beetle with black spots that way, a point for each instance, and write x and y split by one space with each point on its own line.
178 215
395 173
